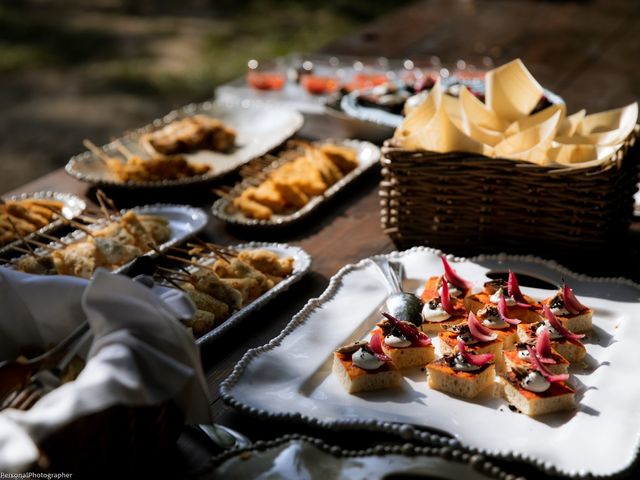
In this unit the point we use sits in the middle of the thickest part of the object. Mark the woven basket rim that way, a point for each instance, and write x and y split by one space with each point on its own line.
389 147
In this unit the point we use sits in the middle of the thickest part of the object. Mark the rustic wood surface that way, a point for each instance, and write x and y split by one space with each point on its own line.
586 51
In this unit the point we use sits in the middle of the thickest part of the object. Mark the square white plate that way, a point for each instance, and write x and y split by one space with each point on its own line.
291 376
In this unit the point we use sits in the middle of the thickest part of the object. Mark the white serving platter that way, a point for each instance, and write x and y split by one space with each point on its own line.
258 129
368 155
291 376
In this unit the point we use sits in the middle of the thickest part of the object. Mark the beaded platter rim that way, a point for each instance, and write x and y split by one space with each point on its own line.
476 462
405 430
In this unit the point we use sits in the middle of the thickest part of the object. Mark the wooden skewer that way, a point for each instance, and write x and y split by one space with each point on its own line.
87 219
100 196
44 246
99 154
171 281
20 236
51 238
164 255
124 151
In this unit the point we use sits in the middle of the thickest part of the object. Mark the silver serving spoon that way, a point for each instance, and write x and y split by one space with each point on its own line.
224 437
402 305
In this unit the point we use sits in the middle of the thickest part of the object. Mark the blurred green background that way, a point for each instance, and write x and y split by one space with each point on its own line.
92 69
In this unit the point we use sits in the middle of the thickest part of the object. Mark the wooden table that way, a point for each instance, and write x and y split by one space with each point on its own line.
586 51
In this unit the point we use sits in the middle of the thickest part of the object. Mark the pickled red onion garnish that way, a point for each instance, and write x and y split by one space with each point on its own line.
452 277
543 347
537 365
478 360
479 331
375 344
502 310
410 332
513 288
571 303
555 323
445 300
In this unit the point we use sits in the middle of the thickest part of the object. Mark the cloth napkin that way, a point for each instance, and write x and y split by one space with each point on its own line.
141 354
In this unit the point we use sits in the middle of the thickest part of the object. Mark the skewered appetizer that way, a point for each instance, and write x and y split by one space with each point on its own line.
443 299
155 168
158 167
109 246
220 289
362 366
26 216
534 390
191 134
403 343
572 314
519 306
462 373
566 343
551 359
292 185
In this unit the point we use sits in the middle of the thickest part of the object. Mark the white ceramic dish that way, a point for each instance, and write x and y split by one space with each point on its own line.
72 207
184 222
258 128
368 155
310 458
301 264
600 439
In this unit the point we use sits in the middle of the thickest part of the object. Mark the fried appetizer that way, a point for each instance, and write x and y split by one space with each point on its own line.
268 262
191 134
156 168
462 373
573 315
26 216
403 343
362 367
293 184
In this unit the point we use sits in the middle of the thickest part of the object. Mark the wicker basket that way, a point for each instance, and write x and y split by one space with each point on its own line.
467 203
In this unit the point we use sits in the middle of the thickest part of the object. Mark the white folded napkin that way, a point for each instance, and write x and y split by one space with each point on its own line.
141 354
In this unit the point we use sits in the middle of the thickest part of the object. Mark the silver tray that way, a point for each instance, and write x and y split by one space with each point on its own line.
259 129
350 106
564 443
368 156
73 206
184 222
301 264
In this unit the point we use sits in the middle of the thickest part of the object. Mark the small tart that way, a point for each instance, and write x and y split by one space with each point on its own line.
441 376
571 350
508 335
448 340
513 359
558 397
355 379
409 356
473 303
577 323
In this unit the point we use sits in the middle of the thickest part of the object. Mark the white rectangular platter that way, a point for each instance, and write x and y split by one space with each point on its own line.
291 376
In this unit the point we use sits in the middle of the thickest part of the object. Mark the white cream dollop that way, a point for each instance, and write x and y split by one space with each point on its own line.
559 311
495 321
396 341
467 338
453 290
524 354
495 298
366 360
535 382
459 363
553 333
434 315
